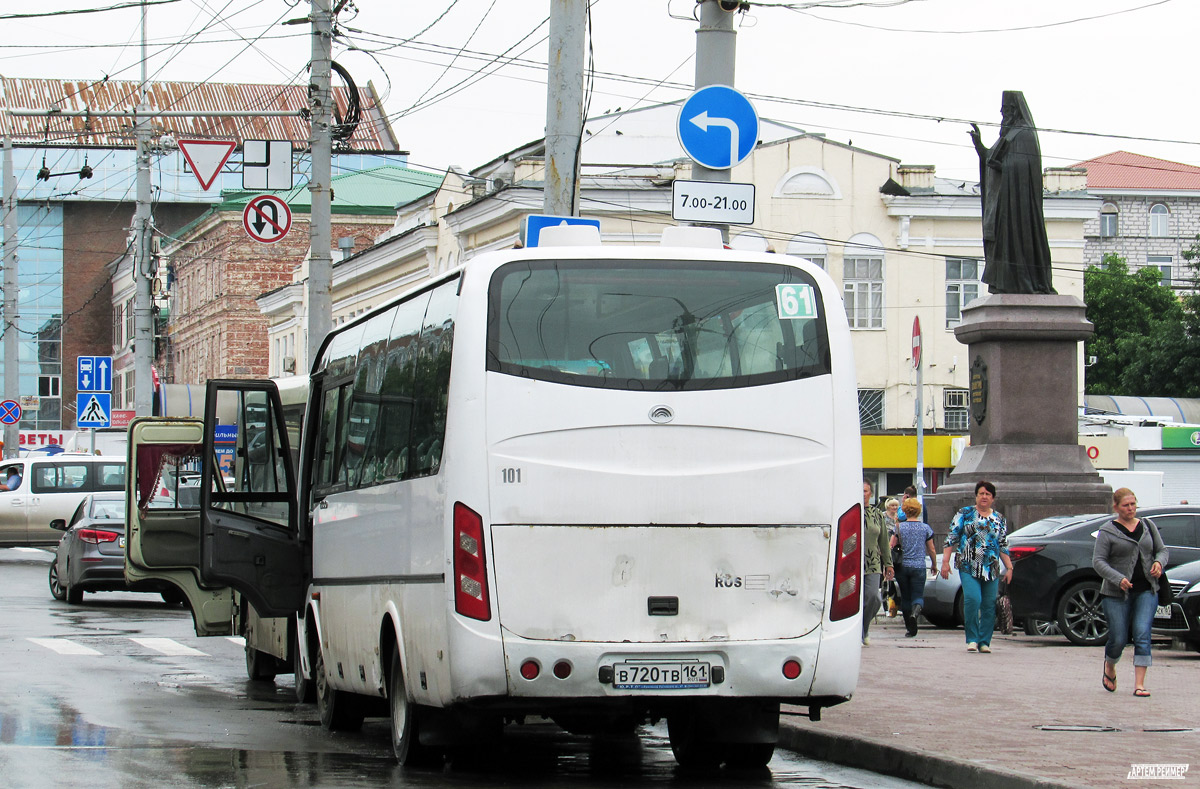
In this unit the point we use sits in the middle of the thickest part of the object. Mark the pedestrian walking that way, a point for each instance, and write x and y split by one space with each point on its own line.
877 562
979 536
891 595
916 541
1129 556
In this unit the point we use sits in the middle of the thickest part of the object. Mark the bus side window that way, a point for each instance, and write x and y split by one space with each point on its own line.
398 389
433 379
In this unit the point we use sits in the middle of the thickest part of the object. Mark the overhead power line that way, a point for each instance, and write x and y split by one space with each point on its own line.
72 12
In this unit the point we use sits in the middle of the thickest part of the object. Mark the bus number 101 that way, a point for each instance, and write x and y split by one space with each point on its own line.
717 202
510 476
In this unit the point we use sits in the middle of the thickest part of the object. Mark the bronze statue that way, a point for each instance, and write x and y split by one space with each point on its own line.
1015 246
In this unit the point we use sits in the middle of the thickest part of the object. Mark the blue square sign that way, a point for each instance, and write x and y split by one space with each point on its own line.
93 409
95 374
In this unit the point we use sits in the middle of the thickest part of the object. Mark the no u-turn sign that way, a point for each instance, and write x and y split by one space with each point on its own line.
267 219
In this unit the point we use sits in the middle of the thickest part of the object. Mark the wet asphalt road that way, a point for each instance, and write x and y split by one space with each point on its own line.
119 692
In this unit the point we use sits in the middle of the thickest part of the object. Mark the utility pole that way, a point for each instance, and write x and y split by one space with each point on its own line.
716 46
143 322
12 372
320 235
564 107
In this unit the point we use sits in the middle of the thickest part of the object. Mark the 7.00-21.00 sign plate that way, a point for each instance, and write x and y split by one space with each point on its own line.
712 201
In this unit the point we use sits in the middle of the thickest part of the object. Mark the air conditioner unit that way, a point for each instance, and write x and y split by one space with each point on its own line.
289 364
955 398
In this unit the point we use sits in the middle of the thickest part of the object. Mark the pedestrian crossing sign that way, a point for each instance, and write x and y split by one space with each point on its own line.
93 409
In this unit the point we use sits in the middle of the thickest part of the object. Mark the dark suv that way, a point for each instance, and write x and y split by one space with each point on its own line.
1182 621
1053 579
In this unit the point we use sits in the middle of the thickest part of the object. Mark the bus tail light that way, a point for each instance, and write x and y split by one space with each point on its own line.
470 569
847 565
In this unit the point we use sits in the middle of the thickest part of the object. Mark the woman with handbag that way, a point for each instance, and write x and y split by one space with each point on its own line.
1130 557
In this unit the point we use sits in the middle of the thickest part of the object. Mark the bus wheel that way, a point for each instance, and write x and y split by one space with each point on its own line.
692 750
748 755
339 710
406 740
260 667
306 688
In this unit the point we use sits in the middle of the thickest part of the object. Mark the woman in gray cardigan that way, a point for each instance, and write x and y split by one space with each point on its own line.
1129 556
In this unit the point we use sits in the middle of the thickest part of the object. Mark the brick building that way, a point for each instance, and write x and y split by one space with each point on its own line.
1150 212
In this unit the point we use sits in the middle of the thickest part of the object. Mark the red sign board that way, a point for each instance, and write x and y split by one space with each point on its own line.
916 343
122 418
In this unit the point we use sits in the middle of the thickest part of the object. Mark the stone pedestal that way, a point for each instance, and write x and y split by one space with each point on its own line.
1024 368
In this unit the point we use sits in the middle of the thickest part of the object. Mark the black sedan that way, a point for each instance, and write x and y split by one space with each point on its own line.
1182 618
1053 579
91 554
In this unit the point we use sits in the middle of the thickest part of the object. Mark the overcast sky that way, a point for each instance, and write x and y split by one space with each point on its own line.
1109 70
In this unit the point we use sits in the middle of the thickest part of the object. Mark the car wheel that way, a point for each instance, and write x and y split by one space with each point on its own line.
56 588
691 749
1040 627
173 597
1081 615
406 722
959 616
74 595
339 711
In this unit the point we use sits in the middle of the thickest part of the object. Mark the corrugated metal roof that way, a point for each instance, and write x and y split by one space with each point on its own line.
1124 170
374 133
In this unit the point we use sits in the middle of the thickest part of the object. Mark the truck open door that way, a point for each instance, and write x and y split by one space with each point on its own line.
250 536
163 530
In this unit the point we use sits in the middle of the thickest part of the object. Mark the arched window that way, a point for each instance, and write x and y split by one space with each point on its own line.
1160 220
808 246
808 182
1108 221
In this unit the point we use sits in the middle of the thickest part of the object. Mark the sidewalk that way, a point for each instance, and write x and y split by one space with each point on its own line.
929 711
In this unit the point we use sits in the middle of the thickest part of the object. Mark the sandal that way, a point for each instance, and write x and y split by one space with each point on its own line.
1141 693
1110 683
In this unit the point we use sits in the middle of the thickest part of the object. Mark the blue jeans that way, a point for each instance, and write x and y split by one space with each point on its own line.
979 608
1132 612
912 586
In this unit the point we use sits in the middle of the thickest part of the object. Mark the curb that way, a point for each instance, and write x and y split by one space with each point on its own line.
867 754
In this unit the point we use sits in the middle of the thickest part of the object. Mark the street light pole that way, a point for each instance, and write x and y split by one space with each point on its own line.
12 373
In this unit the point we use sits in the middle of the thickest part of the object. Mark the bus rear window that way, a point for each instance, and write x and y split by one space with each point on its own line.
656 325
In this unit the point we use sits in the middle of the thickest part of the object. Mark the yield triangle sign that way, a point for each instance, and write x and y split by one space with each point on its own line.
206 158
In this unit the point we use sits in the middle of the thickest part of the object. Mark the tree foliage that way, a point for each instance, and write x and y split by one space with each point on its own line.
1142 342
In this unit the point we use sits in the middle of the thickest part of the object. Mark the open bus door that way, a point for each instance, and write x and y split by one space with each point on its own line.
163 534
250 537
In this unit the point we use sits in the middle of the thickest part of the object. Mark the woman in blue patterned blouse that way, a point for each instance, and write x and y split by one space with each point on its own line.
980 537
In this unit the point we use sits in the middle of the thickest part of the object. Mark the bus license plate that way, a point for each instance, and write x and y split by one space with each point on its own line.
1162 612
658 675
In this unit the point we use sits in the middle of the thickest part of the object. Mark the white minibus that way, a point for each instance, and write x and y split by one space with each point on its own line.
605 485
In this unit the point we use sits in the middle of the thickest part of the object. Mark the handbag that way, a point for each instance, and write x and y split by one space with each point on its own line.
1004 615
1165 595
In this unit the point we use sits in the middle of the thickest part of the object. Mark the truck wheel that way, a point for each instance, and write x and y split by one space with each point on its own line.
260 667
339 710
406 722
